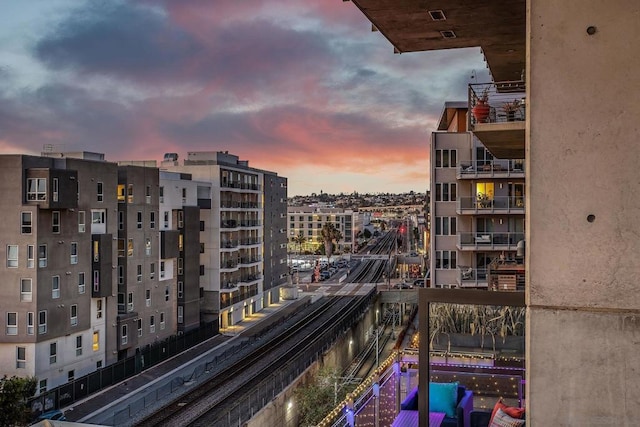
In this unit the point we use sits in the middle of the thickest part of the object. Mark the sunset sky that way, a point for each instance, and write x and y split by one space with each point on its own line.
299 87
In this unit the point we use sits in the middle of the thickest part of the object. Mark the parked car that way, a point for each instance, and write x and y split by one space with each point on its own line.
403 286
54 414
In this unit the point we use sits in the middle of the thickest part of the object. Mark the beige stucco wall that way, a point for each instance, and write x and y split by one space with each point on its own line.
583 158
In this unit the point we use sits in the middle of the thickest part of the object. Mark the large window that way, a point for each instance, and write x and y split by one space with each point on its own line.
446 260
26 219
26 290
445 226
446 192
12 323
36 189
446 158
12 256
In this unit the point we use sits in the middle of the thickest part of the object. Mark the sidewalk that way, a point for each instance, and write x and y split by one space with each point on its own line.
108 398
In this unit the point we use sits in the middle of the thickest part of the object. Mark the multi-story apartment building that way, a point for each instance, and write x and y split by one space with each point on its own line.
477 206
180 246
308 221
58 298
233 233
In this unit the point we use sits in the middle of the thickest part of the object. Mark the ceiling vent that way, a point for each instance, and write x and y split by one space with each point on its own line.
448 34
437 15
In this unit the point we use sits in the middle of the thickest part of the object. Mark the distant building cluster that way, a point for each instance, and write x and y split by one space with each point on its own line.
105 258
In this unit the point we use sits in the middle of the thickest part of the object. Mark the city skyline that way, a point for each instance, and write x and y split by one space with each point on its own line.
304 90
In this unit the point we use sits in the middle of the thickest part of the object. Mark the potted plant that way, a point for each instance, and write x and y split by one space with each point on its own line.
510 109
480 110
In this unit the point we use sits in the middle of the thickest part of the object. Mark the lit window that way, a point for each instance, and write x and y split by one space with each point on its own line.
130 193
95 344
121 193
130 247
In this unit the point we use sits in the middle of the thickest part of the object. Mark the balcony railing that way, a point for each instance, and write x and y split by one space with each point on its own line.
241 185
471 277
497 117
246 261
250 242
484 204
489 241
229 244
485 169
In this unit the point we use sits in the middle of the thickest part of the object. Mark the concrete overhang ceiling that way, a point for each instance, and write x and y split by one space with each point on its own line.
497 26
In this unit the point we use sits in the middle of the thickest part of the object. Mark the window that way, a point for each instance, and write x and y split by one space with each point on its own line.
445 226
81 283
446 192
100 192
180 219
152 270
147 194
26 290
74 253
147 247
180 314
79 345
161 194
162 323
130 301
31 256
130 193
152 220
71 375
42 256
121 249
53 353
12 256
446 158
95 341
98 221
120 220
121 195
74 314
96 251
96 280
55 222
147 297
26 219
201 248
446 260
121 304
201 270
180 266
121 274
98 309
130 247
124 338
12 323
139 327
201 225
165 219
139 220
36 189
162 269
55 287
56 188
484 191
184 195
42 387
30 323
139 273
152 324
166 293
180 289
81 222
21 357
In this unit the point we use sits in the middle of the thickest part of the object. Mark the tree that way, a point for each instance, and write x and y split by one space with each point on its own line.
367 233
330 234
299 240
14 393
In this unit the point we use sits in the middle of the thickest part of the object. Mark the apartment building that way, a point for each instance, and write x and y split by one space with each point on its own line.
233 231
58 298
477 207
579 140
308 221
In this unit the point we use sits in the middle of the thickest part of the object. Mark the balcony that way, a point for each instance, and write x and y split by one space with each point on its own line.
227 266
498 117
229 244
491 169
250 279
486 241
471 277
475 205
250 261
255 241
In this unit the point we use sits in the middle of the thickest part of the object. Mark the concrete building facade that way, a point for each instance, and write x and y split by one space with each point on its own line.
308 221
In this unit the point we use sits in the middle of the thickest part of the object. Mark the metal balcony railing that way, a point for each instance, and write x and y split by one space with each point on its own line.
504 204
496 102
497 168
489 241
472 276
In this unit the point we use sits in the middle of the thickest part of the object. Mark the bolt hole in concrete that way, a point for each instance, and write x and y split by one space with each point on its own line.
591 30
591 217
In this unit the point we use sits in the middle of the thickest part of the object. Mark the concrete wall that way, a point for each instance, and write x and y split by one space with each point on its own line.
583 202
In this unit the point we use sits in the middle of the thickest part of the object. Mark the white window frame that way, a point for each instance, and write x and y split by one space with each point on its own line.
36 189
30 323
130 302
42 260
82 284
124 334
53 353
73 314
26 295
79 345
73 258
42 325
162 321
147 297
152 324
55 222
55 287
82 226
99 308
31 256
12 256
26 222
21 359
12 323
139 325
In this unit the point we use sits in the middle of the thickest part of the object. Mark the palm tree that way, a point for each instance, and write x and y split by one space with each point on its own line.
299 240
330 234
